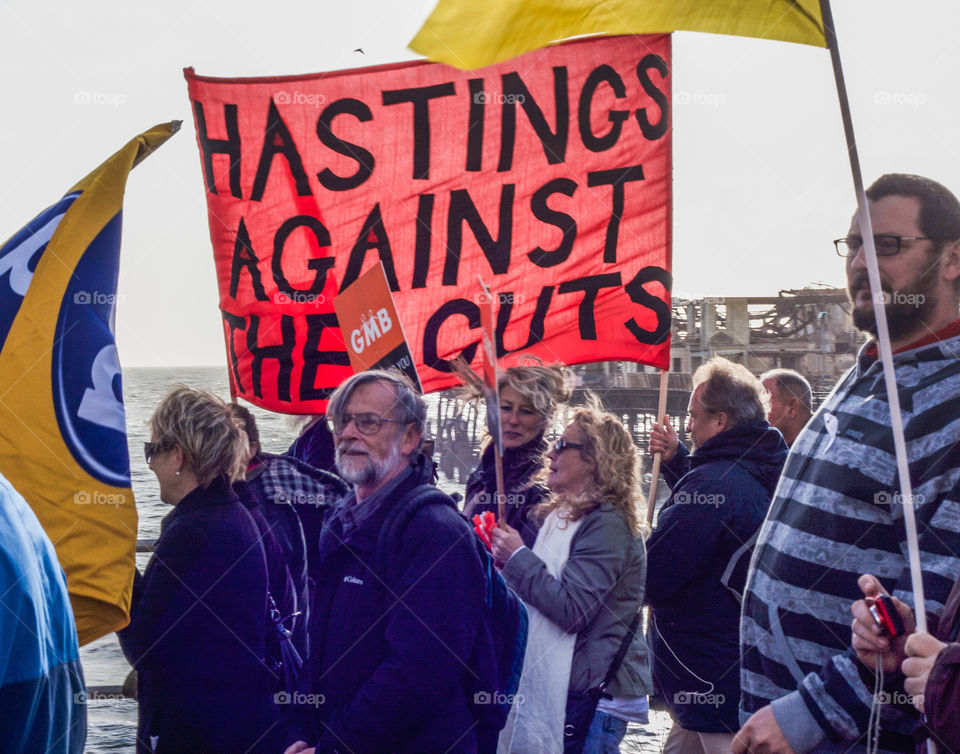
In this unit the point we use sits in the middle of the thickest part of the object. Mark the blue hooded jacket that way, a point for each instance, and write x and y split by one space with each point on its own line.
697 567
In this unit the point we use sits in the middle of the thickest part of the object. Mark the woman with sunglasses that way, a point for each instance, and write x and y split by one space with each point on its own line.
529 398
198 613
583 584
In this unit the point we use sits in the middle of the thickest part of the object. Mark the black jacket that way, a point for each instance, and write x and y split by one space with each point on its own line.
388 667
697 560
197 630
523 495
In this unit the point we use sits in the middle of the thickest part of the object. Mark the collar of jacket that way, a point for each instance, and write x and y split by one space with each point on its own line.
364 537
218 492
869 353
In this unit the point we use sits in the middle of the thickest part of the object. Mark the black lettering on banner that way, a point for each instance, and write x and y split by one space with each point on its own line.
234 322
229 146
245 258
424 236
653 131
475 131
431 332
554 143
277 140
616 178
538 205
373 235
420 97
365 162
639 295
591 141
282 352
591 285
320 264
314 358
497 252
536 323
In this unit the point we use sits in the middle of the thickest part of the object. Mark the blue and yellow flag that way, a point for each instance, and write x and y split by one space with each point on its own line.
468 34
63 441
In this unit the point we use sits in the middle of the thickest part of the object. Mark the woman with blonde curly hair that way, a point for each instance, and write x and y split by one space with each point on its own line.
529 398
197 628
583 584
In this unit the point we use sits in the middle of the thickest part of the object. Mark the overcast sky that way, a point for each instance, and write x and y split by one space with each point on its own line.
761 178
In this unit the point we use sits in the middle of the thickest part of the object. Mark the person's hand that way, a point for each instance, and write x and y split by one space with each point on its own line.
761 734
867 640
664 440
298 747
922 651
506 541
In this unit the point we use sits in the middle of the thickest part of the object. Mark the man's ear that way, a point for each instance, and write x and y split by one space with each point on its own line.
793 406
722 419
950 261
411 439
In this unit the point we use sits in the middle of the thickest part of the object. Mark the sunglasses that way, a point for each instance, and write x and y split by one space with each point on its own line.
150 449
563 443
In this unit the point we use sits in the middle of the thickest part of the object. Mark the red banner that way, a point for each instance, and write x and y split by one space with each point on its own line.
548 175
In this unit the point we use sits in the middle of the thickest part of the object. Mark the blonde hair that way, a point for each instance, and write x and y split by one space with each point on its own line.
202 425
616 472
545 387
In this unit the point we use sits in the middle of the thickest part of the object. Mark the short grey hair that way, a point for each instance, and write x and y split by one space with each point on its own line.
409 406
793 384
731 388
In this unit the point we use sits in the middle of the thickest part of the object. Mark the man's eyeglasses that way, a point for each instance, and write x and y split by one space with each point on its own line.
367 424
150 449
886 245
563 443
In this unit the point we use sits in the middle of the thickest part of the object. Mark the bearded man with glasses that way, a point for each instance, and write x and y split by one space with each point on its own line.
390 639
837 511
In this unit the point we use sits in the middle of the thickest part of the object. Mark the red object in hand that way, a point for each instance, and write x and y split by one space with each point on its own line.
483 525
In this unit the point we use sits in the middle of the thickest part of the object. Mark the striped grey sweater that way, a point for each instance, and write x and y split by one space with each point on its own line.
837 513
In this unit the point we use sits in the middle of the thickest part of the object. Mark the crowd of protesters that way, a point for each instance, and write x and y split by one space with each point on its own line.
385 618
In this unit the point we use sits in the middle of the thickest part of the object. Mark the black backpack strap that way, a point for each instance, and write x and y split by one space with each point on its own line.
399 518
622 652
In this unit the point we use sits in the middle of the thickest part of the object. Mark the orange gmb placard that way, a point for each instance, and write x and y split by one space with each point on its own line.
370 325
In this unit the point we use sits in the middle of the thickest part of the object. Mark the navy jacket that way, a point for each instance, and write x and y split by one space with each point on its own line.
197 632
388 667
697 566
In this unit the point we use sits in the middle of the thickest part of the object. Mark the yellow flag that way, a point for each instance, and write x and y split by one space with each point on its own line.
63 442
469 34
